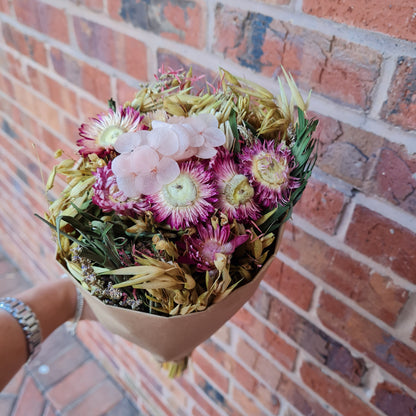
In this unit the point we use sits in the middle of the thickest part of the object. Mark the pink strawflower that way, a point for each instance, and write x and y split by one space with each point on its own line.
235 193
269 166
143 171
188 199
201 248
109 198
101 132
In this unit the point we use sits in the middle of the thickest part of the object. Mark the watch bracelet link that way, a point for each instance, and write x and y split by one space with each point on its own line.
27 321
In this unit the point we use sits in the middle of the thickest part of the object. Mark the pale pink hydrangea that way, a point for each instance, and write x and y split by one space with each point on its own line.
143 171
148 158
185 137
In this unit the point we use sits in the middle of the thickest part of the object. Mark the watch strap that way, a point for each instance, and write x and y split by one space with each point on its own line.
27 320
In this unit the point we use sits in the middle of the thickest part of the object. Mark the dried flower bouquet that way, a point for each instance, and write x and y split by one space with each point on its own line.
175 202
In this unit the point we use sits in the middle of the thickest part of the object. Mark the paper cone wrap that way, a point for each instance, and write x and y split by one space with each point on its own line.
175 337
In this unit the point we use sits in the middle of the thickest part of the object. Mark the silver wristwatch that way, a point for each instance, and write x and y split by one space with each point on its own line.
27 320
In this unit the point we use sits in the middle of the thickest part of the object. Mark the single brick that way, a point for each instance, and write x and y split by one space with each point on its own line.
394 177
260 301
346 72
125 92
4 6
43 17
123 408
30 401
8 130
246 352
380 346
321 205
261 365
75 385
251 407
245 38
63 363
290 283
11 282
6 267
81 74
367 161
15 67
182 21
20 119
39 108
334 393
376 293
350 154
223 335
6 404
400 106
317 343
385 241
53 143
266 338
66 66
189 386
116 49
392 400
300 398
14 385
25 44
62 96
114 10
371 15
99 400
220 380
327 131
231 365
268 372
89 108
6 86
210 391
350 73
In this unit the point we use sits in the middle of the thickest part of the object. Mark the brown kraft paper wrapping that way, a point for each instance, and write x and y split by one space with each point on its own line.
173 338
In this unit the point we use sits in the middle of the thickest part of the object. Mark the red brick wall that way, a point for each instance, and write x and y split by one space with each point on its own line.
332 329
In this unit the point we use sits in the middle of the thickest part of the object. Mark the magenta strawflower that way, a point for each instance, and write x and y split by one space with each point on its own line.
235 193
201 248
100 133
109 198
188 199
269 166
